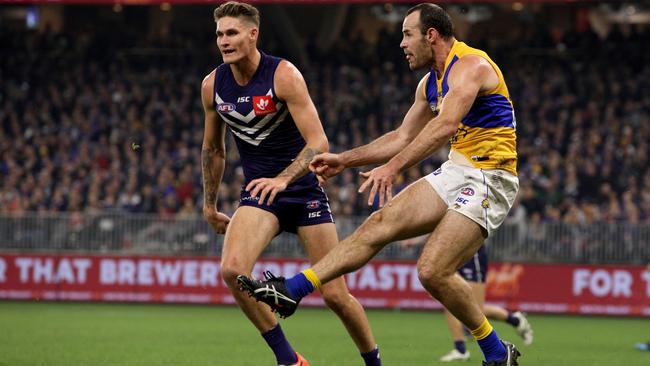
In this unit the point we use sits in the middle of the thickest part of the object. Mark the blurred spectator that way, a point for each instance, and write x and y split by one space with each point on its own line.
70 113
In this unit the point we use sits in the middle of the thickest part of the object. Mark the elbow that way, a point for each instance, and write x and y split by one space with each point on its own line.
404 139
320 145
325 146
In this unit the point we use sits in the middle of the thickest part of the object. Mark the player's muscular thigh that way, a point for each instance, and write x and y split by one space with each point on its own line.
414 211
242 246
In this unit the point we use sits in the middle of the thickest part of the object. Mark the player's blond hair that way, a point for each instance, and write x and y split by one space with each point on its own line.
238 10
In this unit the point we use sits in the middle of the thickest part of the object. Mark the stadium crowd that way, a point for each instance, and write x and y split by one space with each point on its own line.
87 124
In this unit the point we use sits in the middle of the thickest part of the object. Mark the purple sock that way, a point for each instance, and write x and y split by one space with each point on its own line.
284 353
460 346
372 358
512 320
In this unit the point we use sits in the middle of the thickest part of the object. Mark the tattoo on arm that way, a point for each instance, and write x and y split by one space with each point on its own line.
211 174
300 165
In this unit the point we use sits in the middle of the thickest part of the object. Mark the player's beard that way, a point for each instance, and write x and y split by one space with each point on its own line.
425 56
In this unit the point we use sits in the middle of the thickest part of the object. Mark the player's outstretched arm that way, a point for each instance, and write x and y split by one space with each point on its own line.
383 148
290 86
213 157
470 75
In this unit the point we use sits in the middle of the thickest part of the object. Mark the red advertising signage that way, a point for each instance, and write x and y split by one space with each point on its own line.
612 290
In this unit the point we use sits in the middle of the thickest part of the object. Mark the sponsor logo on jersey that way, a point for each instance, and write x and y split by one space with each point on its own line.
467 191
243 99
313 205
263 105
225 107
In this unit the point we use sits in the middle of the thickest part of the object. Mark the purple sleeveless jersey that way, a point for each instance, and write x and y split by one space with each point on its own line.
268 140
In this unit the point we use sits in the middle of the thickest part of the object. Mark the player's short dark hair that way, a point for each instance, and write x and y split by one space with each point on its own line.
433 16
237 10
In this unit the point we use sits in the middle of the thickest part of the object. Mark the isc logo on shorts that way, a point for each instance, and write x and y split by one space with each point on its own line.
462 200
313 215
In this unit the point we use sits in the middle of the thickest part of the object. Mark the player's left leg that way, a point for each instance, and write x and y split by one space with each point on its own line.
453 243
318 240
517 319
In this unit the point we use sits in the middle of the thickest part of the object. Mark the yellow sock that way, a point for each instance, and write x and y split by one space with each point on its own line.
482 331
311 276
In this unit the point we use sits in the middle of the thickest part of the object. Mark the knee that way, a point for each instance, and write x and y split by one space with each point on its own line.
431 277
230 271
379 218
375 230
336 300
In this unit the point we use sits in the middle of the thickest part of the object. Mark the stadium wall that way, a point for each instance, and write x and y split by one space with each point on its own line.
541 288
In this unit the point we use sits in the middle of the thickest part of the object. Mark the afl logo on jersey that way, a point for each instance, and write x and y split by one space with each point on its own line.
263 105
225 107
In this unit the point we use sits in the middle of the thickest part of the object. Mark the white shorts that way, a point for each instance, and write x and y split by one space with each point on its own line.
485 196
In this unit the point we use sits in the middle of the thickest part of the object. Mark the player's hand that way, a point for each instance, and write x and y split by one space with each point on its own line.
216 219
380 180
267 187
326 165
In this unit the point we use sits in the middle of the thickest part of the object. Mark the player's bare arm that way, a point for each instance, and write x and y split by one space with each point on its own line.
213 158
290 86
471 75
383 148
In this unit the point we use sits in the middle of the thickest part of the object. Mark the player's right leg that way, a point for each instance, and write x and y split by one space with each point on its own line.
249 233
414 211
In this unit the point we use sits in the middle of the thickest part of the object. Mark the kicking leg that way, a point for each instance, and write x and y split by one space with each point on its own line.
413 212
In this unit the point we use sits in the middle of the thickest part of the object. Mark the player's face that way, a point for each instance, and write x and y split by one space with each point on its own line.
236 38
419 53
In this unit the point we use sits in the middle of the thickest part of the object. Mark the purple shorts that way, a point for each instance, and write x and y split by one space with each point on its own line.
302 206
475 270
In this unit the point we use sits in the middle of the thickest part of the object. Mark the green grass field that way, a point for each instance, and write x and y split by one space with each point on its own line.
69 334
